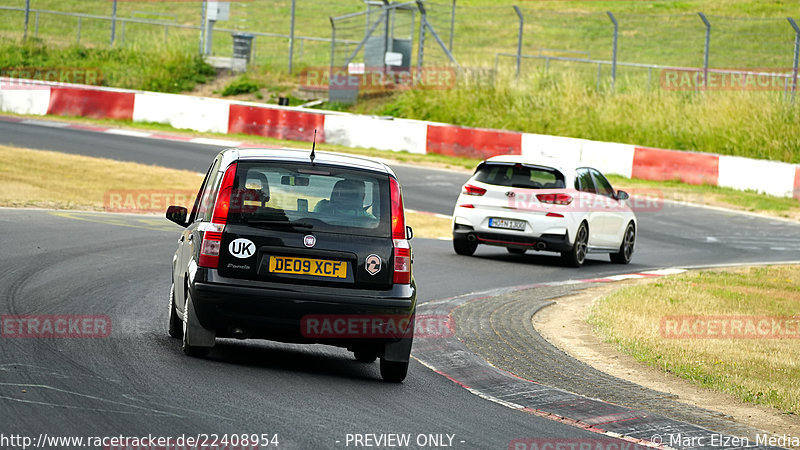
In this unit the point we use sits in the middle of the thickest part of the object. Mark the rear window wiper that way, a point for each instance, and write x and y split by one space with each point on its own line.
281 223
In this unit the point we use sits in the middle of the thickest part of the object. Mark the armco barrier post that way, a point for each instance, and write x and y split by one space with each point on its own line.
705 51
614 53
519 37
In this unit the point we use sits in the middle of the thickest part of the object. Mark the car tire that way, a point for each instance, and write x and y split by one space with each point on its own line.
175 321
625 253
190 323
516 251
365 355
464 247
393 371
576 256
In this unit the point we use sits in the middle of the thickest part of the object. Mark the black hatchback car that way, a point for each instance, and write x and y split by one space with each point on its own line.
295 246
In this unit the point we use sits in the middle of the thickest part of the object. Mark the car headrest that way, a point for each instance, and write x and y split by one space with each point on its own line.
258 181
348 194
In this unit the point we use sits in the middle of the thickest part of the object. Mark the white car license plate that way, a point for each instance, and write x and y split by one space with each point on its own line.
507 224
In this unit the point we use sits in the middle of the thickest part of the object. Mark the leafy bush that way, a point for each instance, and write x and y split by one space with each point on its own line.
241 85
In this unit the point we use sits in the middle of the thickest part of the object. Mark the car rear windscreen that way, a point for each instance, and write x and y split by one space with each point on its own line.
328 198
520 176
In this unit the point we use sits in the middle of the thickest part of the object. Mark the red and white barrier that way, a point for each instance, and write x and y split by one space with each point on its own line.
225 116
25 101
353 130
182 111
771 177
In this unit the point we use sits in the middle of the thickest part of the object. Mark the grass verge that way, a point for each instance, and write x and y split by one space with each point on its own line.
763 371
48 179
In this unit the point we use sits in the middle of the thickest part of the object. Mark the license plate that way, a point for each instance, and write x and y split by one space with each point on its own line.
308 266
508 224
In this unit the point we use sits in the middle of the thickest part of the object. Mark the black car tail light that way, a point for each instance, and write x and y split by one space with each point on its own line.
402 249
212 236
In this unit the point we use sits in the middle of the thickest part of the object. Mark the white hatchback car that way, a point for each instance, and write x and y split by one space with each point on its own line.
515 203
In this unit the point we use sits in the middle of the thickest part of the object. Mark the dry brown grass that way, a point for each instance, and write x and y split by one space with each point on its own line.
760 370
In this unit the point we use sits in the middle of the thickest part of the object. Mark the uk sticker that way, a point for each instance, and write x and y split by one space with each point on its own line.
242 248
373 264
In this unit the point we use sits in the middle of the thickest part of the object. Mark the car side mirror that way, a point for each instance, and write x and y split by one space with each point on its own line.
409 233
622 195
177 214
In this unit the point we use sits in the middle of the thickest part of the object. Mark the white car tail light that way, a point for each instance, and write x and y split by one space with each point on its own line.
555 199
473 190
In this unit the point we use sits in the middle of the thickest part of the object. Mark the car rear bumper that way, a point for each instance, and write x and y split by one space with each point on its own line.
264 310
544 242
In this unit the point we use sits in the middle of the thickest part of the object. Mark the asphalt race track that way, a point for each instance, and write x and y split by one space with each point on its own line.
137 381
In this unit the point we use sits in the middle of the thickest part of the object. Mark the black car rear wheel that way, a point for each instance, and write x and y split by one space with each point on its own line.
190 322
393 371
175 321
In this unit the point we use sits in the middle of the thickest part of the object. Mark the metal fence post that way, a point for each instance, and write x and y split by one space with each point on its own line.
705 51
27 17
519 37
452 25
291 36
202 27
421 42
333 44
796 55
614 53
113 21
78 39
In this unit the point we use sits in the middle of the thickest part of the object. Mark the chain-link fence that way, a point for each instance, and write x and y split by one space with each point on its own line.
673 51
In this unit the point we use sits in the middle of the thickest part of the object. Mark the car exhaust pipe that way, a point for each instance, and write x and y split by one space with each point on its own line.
238 332
541 246
471 238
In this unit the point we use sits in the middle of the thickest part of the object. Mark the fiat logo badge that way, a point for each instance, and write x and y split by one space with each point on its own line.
309 241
